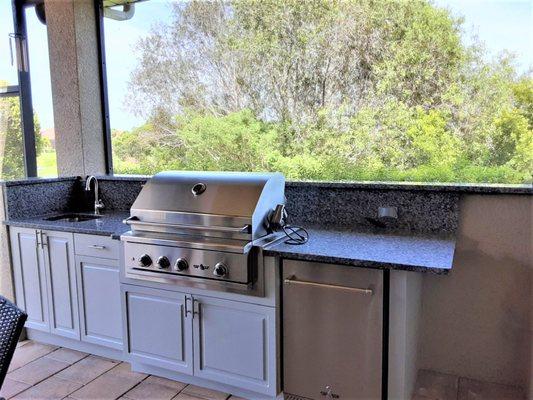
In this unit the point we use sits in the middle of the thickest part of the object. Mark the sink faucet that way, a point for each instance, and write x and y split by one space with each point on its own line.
98 205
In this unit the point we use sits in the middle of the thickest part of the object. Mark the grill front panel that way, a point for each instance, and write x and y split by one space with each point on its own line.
238 267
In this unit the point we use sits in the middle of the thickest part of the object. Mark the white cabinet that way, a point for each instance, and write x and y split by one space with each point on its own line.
45 281
159 328
97 274
234 342
58 255
68 284
99 299
225 341
30 277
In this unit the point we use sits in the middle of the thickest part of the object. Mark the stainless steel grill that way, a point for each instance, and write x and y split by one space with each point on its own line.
202 228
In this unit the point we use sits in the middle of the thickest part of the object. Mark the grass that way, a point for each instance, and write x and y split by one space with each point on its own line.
47 164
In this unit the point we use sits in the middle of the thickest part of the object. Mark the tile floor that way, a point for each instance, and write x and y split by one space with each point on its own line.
40 371
432 385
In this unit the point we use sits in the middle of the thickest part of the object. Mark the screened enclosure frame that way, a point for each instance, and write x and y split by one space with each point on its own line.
23 90
104 100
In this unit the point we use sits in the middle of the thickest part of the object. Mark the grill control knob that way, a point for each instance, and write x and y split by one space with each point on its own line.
145 260
181 264
163 262
220 270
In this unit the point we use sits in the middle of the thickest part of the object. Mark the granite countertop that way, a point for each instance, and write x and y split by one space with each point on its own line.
110 224
481 188
400 251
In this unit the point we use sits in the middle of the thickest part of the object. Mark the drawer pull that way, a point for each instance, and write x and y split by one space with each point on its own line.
292 281
97 246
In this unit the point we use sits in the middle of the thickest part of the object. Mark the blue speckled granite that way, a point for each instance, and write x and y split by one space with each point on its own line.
119 193
39 197
29 181
488 188
332 205
35 197
422 239
351 208
421 253
110 224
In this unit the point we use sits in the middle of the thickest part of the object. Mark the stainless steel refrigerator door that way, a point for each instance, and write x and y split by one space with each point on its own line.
332 331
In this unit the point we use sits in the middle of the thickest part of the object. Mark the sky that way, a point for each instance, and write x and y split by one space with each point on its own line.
500 24
39 62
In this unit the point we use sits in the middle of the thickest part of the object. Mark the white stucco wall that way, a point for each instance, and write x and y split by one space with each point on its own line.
476 321
6 280
74 64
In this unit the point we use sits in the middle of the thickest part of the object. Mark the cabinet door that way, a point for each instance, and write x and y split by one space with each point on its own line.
159 328
332 330
60 270
30 277
99 299
235 343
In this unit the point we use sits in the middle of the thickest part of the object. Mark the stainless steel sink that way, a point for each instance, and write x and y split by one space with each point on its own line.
72 217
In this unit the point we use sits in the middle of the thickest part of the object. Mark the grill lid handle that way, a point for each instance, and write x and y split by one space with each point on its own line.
133 220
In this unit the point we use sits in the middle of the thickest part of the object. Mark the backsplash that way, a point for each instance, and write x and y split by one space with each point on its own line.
42 196
318 205
119 194
335 206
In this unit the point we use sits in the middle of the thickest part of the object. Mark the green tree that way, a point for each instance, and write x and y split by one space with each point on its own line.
523 97
322 89
11 139
11 144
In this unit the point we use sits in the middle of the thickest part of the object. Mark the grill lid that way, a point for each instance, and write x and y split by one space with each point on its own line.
232 204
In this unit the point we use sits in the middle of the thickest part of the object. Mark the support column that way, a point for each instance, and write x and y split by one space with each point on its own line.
74 70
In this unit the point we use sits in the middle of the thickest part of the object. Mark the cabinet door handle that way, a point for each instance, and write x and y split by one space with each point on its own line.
37 240
187 311
43 239
97 246
293 281
195 307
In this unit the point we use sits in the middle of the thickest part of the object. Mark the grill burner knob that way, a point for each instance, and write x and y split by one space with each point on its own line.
220 270
145 261
181 264
163 262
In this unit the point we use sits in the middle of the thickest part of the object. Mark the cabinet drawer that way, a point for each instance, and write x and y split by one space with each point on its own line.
96 246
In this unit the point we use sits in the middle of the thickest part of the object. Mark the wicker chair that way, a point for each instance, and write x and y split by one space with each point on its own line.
11 323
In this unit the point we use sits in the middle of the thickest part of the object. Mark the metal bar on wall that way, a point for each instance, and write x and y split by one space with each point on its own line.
99 14
26 108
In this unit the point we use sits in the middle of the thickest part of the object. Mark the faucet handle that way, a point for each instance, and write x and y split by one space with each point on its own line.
98 205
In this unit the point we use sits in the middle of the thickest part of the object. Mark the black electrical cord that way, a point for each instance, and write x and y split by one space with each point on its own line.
295 235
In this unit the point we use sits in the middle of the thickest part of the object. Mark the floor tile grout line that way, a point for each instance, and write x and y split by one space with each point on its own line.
22 343
134 386
16 394
116 364
45 355
35 359
54 374
75 362
98 376
103 373
51 376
